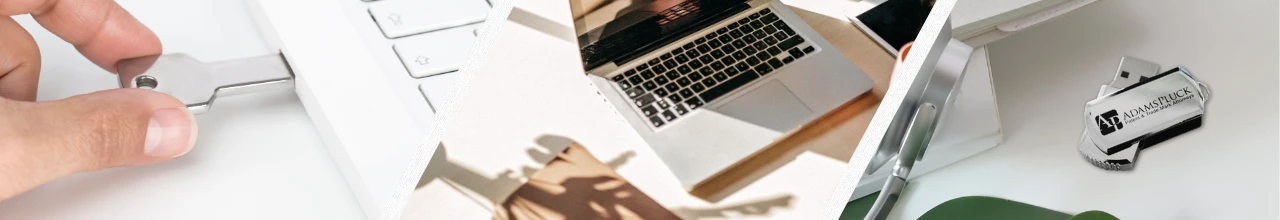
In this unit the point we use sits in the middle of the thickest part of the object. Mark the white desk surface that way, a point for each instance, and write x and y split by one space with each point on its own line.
258 156
1226 169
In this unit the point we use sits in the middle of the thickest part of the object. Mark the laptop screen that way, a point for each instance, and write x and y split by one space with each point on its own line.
643 26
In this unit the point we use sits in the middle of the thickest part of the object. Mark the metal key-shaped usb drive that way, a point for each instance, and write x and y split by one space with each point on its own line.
197 84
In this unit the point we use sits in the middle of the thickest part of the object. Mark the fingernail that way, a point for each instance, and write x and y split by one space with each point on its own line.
170 133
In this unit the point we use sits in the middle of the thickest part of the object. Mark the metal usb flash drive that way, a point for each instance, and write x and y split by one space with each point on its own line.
197 84
1146 111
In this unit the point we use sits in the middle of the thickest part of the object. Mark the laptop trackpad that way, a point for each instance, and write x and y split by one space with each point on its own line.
771 106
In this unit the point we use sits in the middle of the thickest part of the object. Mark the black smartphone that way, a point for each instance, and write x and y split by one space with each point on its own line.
895 22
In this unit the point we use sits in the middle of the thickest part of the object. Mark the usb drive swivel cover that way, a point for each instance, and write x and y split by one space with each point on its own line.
1143 113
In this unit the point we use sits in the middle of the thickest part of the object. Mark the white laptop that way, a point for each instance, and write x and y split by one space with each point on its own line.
708 83
372 75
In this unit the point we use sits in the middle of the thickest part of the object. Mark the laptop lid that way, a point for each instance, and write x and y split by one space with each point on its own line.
643 26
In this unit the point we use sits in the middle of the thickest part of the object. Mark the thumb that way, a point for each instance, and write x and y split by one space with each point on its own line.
40 142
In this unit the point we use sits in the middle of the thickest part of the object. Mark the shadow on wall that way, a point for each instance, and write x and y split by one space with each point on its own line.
573 185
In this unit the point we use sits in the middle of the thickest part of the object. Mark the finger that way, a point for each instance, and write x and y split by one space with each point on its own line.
19 62
902 53
40 142
100 29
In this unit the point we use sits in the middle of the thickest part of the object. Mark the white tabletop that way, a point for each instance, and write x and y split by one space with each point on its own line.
258 156
1226 169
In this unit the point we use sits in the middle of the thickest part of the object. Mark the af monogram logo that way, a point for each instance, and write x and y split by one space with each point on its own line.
1109 122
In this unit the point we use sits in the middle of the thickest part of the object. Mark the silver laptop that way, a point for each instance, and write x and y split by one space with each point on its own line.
708 83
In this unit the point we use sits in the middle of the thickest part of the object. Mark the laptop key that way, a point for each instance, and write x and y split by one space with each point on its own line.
769 18
808 49
728 61
780 36
720 76
659 80
657 121
752 61
725 38
680 110
749 51
731 71
739 55
699 87
774 50
645 99
714 43
788 60
683 82
684 69
403 18
695 64
775 63
749 39
670 64
670 87
742 66
760 45
791 42
649 110
763 69
659 69
619 78
795 52
636 80
770 40
763 55
693 103
708 71
646 74
685 93
770 29
706 58
436 52
757 25
715 66
660 92
662 104
669 116
624 85
760 34
703 48
649 85
681 59
727 86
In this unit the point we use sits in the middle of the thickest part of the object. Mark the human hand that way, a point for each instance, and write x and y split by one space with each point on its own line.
42 141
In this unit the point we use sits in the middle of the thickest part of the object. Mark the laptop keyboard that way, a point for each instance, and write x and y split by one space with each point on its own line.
430 37
686 78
